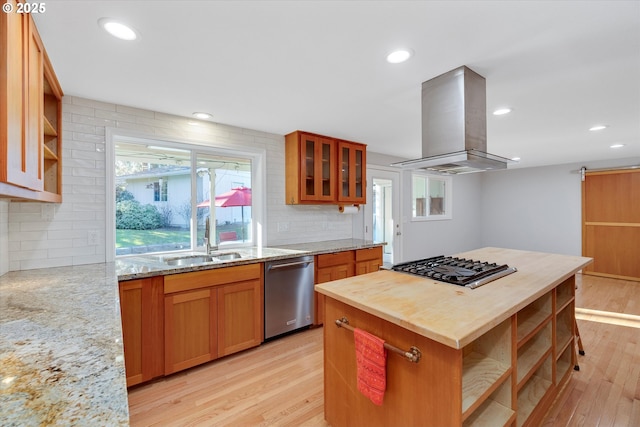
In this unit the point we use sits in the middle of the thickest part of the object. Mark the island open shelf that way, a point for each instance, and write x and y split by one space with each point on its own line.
497 355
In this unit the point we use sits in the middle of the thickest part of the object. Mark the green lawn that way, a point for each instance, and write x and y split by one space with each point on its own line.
130 238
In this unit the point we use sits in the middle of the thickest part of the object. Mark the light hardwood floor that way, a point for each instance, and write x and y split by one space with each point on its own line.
280 383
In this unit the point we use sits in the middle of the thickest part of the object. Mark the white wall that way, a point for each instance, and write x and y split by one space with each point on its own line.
538 209
422 239
46 235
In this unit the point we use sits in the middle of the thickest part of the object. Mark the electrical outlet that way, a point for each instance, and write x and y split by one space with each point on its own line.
283 227
92 237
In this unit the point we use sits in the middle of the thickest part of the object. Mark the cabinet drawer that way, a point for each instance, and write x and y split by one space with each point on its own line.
206 278
369 254
328 260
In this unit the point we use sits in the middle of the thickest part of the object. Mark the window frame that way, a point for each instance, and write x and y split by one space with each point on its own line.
448 197
258 178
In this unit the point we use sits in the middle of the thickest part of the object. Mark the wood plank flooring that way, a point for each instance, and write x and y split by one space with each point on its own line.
281 382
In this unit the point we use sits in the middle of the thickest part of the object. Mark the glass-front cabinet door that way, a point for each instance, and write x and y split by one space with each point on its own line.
352 182
318 170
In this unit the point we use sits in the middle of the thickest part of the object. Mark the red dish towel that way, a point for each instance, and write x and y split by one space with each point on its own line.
371 361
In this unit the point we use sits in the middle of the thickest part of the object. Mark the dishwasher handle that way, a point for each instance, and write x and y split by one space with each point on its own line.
288 264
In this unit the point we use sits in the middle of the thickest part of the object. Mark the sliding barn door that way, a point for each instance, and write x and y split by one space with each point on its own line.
611 223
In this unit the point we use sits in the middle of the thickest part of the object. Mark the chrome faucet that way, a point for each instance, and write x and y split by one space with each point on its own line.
207 239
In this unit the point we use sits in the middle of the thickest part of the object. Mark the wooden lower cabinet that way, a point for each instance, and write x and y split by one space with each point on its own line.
240 316
340 265
212 313
174 322
368 260
329 267
190 331
142 316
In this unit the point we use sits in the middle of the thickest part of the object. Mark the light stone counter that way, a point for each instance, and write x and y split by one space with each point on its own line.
61 356
141 266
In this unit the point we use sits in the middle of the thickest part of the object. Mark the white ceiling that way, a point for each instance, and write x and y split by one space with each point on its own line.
320 66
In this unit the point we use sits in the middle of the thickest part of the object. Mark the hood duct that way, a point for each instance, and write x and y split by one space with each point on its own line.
454 125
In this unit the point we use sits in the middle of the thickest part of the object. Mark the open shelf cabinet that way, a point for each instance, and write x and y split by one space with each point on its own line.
486 368
534 390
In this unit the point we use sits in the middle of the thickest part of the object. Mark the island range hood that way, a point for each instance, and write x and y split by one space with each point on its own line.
454 125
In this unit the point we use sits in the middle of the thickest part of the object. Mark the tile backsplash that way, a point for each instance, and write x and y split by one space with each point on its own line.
39 235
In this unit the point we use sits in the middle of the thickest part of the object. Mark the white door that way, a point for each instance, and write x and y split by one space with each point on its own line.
382 213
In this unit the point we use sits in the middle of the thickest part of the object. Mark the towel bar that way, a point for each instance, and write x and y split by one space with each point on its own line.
413 355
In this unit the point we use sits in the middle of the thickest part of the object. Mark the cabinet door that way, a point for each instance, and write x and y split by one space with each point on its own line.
317 168
240 314
331 267
368 260
352 179
141 309
22 119
190 329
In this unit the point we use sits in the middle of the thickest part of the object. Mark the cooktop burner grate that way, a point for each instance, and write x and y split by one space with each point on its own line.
458 271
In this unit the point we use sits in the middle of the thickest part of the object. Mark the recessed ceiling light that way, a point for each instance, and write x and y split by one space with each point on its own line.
598 127
616 146
502 111
515 159
202 116
118 29
400 55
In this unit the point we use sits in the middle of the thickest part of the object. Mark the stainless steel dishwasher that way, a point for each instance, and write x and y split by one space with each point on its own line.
288 295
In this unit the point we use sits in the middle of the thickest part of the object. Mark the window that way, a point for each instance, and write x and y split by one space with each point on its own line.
160 190
431 197
164 195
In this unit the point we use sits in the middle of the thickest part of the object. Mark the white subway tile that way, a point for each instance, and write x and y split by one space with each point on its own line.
93 121
98 105
78 109
32 264
118 117
32 245
95 137
134 111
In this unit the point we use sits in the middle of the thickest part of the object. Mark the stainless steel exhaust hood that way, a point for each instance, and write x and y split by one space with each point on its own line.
454 125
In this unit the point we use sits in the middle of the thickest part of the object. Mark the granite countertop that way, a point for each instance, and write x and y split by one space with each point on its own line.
61 357
454 315
61 354
141 266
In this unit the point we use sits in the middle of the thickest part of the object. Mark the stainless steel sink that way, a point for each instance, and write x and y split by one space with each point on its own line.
226 256
202 258
190 260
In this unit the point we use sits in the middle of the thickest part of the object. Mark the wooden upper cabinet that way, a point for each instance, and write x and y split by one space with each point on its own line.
30 114
323 170
352 176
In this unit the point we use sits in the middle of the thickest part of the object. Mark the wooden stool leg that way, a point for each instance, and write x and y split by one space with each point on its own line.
580 348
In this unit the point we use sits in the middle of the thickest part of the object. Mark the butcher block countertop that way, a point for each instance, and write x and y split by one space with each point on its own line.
454 315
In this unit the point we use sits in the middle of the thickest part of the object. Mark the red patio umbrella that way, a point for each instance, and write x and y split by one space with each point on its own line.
239 196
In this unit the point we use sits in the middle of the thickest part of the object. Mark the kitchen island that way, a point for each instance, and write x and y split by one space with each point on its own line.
497 355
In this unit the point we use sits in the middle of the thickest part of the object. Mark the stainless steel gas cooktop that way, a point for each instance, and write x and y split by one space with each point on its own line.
457 271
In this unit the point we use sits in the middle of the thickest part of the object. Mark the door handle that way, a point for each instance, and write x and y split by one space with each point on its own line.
289 264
